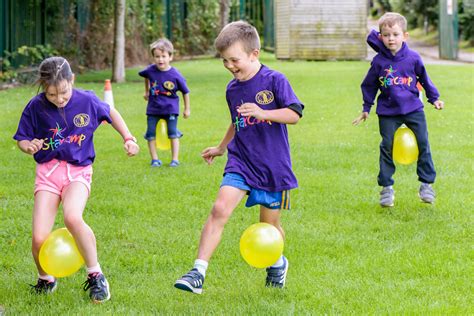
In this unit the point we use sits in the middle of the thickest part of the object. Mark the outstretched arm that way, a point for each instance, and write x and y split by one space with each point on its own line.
209 153
130 142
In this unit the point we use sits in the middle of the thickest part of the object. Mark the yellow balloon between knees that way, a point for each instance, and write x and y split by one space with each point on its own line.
59 255
261 245
405 147
162 140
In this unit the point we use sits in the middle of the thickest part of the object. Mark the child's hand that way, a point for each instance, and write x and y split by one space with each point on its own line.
186 113
34 146
251 109
145 96
131 148
361 118
209 153
438 104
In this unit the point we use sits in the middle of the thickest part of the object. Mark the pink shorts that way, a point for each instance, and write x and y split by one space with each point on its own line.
55 175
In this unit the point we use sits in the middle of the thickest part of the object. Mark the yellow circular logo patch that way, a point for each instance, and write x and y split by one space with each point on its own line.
81 120
264 97
169 85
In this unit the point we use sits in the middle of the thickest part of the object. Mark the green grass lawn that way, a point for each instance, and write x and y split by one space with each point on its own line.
347 255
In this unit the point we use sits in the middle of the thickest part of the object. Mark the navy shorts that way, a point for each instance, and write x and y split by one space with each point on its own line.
271 200
172 124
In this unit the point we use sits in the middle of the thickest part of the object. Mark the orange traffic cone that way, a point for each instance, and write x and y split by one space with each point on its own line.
108 96
420 91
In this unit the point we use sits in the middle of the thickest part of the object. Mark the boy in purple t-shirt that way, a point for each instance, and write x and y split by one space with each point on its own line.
57 128
261 103
395 71
162 82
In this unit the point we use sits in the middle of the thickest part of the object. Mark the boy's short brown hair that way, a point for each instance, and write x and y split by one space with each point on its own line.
239 31
162 44
392 18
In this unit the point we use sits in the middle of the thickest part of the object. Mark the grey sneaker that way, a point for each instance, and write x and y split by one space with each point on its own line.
426 193
98 286
44 287
276 277
191 282
387 196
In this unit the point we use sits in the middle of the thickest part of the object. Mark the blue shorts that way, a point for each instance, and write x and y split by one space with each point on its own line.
271 200
171 122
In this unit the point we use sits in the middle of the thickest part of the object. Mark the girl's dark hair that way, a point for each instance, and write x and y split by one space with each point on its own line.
52 71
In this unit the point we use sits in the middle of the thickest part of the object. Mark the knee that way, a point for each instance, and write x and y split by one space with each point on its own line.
37 241
73 221
220 211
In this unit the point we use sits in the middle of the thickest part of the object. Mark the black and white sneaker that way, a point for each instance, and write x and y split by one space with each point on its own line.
98 286
276 277
44 287
192 282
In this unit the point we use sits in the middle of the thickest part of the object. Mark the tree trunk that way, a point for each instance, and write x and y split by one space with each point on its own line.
118 71
224 6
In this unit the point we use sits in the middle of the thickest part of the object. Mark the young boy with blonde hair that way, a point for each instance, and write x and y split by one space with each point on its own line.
162 83
261 103
395 71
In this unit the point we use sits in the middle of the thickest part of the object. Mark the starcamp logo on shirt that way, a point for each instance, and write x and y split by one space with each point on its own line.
390 79
58 139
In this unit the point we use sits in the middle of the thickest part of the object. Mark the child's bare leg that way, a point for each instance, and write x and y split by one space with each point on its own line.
271 217
152 149
45 210
227 200
74 203
174 148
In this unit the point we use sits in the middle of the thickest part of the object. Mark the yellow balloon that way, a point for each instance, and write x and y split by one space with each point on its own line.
261 245
405 147
162 140
59 255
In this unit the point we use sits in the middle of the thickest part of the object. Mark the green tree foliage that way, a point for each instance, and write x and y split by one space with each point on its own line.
466 18
425 14
83 30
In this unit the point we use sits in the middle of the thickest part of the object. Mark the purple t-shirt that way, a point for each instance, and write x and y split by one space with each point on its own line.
260 151
164 85
67 132
396 78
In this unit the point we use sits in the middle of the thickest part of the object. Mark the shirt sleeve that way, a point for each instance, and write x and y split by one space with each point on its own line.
284 94
431 92
102 110
182 85
143 73
369 88
26 126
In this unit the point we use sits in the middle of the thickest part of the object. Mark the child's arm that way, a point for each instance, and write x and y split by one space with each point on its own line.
147 89
431 92
369 89
283 116
361 118
30 146
130 142
209 153
187 107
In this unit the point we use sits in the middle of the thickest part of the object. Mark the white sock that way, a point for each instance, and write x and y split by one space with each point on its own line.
279 263
95 269
201 266
47 277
